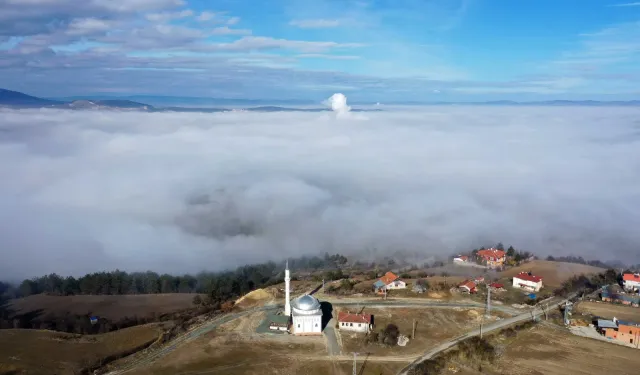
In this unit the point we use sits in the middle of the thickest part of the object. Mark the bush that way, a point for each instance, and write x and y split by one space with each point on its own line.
197 300
389 335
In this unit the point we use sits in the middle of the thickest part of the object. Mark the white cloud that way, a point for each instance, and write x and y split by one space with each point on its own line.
315 23
206 16
225 30
233 20
635 4
326 56
169 16
262 42
86 191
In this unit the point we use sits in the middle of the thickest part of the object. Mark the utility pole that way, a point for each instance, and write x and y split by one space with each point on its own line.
488 301
481 323
323 286
413 334
355 364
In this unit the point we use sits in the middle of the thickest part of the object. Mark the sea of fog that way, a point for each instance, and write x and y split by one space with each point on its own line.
83 191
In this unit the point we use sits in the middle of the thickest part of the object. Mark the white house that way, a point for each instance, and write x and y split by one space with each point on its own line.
461 259
631 281
527 281
388 282
355 322
467 286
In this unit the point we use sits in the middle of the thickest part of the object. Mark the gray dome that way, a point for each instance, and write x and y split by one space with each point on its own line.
306 303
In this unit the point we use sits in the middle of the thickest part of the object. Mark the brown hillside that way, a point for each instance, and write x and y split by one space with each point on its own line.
108 307
32 351
553 273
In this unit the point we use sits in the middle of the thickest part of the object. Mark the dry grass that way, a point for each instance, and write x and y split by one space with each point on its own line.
433 326
47 352
554 351
230 353
257 297
607 310
109 307
553 273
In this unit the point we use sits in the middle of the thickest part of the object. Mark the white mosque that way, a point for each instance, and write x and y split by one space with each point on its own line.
305 311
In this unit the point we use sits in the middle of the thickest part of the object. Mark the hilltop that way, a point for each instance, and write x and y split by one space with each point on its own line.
553 273
18 99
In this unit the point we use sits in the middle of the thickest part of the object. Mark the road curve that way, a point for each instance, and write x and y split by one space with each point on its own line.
476 332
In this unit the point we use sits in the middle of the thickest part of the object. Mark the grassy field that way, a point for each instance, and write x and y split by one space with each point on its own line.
433 326
229 352
555 351
608 311
553 273
109 307
46 352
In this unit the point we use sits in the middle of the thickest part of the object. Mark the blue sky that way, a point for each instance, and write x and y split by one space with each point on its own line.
371 50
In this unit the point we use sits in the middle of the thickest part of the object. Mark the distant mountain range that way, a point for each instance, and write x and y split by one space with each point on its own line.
15 99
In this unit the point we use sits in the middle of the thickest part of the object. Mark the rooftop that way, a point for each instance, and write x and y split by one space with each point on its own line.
631 277
492 253
388 278
602 323
527 276
344 316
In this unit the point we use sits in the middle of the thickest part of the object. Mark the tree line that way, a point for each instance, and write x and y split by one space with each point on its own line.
218 285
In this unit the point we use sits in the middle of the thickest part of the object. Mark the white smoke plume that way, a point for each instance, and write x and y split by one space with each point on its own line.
84 191
338 103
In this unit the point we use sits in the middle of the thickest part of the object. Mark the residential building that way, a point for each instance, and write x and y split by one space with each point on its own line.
496 287
479 280
461 259
467 286
625 332
631 281
493 258
615 294
355 322
388 282
527 281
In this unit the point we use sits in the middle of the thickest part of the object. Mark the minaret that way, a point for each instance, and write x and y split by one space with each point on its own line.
287 303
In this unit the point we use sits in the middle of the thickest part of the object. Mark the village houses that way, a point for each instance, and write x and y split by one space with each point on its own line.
355 322
621 331
527 281
461 259
631 281
388 282
467 286
492 257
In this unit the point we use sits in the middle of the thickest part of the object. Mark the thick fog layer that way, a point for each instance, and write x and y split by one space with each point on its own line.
87 191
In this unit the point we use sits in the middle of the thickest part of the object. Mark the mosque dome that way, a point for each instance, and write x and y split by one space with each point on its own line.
306 303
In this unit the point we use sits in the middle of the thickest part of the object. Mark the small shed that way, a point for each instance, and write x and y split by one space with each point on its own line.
279 323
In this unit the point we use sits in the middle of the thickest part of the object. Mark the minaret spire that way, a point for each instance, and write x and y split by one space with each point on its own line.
287 302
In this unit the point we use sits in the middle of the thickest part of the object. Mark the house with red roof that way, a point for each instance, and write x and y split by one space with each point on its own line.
496 287
493 258
461 259
355 322
527 281
387 282
467 286
631 281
